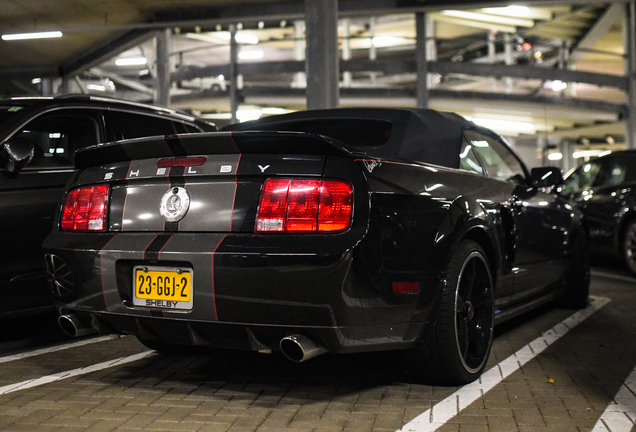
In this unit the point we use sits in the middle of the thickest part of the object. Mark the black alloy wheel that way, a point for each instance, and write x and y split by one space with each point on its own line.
59 276
459 347
474 320
576 289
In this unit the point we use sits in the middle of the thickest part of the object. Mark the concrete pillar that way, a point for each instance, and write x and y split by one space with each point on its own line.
234 86
509 59
421 61
162 88
492 52
373 53
630 71
47 87
322 54
64 85
346 50
300 79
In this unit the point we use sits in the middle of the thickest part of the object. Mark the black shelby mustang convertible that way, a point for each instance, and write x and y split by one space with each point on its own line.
343 230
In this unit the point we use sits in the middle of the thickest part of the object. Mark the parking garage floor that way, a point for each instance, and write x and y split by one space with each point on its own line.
550 370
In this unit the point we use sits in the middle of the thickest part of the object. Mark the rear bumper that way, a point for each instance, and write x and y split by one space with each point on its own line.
241 299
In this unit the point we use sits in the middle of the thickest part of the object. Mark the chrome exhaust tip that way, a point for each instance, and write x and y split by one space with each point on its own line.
73 326
299 348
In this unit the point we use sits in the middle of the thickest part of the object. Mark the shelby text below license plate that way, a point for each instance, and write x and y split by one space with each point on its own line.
162 287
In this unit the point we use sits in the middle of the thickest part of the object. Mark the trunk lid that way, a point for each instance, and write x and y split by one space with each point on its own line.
199 182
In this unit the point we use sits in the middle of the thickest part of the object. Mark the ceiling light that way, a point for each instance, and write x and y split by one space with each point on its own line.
505 125
275 111
96 87
491 19
387 41
248 114
555 156
250 55
131 61
39 35
516 10
587 154
520 11
558 85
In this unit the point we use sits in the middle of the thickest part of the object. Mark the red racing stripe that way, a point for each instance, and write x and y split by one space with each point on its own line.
238 162
216 313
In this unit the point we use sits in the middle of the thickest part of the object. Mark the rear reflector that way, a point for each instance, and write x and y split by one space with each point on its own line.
85 209
406 287
304 205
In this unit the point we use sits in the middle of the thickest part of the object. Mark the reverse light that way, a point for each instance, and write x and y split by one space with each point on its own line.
304 205
85 209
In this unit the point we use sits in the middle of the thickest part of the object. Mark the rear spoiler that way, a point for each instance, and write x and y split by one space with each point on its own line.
255 142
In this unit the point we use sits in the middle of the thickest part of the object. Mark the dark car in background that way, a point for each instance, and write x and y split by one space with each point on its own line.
346 230
38 139
604 189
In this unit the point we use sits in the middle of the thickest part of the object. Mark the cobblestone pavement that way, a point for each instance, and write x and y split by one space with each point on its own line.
582 381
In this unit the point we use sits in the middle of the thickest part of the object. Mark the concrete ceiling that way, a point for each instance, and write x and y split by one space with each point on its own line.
96 31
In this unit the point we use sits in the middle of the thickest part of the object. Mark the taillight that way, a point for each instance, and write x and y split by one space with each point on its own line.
85 209
304 205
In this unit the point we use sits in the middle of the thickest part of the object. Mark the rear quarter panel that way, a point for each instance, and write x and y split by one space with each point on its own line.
418 214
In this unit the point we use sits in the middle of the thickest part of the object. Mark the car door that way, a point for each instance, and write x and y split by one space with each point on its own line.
533 220
30 200
600 188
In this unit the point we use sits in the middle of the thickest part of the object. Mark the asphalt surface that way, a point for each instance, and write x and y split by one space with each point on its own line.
550 370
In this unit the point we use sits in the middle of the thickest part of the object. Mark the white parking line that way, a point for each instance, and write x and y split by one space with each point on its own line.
75 372
443 411
41 351
621 415
613 276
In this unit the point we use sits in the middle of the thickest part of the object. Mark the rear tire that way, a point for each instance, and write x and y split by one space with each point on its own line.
458 349
628 246
576 292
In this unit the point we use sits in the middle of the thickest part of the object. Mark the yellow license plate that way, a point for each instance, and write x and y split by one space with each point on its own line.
163 287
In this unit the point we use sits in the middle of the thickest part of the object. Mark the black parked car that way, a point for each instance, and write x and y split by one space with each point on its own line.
339 230
38 137
604 189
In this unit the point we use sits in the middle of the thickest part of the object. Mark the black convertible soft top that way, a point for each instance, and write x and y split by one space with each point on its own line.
421 135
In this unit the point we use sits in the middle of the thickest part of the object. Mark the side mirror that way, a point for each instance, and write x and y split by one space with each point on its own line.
15 154
545 177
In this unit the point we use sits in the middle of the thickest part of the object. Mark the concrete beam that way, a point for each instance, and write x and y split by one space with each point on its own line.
321 62
408 94
602 26
528 72
162 85
104 52
406 65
